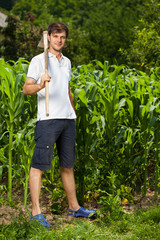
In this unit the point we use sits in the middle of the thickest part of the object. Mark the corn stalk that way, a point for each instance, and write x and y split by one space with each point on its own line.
11 78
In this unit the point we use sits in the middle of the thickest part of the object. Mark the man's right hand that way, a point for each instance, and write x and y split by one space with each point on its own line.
44 78
30 88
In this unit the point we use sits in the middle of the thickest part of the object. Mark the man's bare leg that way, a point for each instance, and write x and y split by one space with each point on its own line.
35 187
67 175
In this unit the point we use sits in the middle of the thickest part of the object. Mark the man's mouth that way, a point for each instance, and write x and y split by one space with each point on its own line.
58 44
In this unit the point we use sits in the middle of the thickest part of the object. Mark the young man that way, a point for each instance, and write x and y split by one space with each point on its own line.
59 127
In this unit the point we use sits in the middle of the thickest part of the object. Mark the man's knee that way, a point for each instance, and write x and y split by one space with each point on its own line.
35 172
66 170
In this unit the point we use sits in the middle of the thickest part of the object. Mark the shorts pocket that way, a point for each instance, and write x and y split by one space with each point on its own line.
43 154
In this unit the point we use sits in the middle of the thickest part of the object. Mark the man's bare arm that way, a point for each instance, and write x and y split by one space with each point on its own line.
31 88
71 97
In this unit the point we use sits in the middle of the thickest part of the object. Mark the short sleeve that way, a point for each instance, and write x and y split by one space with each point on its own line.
34 69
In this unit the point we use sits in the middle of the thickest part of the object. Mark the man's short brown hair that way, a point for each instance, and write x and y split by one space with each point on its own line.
57 27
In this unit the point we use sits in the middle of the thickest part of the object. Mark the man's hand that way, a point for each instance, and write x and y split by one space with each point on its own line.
30 88
44 78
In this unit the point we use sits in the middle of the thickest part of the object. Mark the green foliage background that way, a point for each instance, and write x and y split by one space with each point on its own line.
98 29
144 52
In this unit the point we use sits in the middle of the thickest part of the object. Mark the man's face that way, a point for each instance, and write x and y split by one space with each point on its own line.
57 41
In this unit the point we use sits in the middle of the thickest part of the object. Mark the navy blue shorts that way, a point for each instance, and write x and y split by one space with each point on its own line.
47 132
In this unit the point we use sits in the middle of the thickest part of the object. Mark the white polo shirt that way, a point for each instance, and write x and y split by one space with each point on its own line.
59 102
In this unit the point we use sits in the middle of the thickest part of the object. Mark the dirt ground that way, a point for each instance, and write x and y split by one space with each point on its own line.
8 213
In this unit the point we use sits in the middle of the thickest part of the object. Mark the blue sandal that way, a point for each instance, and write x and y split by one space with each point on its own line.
40 218
82 212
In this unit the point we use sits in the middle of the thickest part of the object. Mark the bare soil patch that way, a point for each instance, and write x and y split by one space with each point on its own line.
142 202
9 213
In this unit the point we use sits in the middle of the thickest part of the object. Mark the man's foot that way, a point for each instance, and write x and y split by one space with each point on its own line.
40 218
82 212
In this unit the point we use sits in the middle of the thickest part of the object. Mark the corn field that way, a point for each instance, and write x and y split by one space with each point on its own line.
118 130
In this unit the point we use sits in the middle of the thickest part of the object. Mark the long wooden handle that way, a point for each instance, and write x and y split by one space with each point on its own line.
45 39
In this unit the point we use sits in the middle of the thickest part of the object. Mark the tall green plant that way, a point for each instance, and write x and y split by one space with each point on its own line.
157 151
89 122
126 100
12 78
25 146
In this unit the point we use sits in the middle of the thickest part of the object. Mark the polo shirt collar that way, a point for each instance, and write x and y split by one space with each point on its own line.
52 55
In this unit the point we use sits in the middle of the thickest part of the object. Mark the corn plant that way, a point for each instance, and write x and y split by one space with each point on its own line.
25 146
90 122
11 78
117 127
109 97
125 100
157 149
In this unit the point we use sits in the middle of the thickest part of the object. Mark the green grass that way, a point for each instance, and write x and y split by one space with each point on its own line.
138 225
